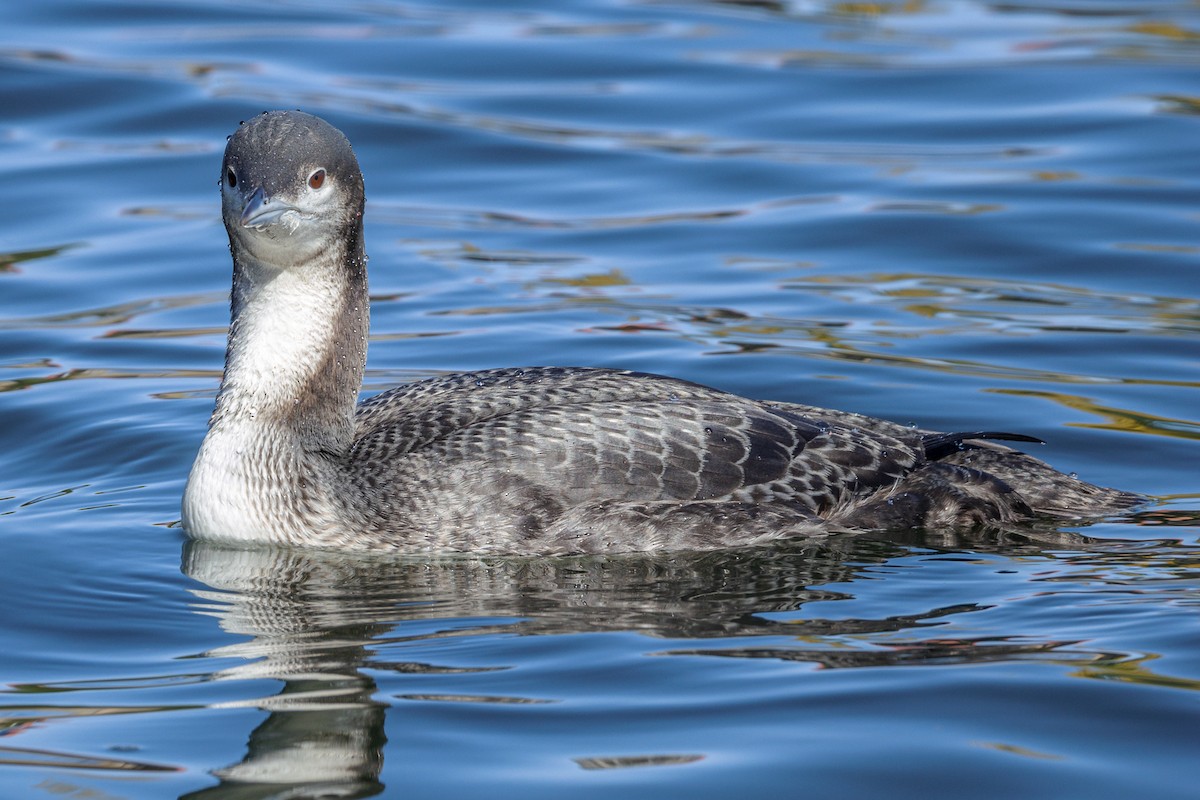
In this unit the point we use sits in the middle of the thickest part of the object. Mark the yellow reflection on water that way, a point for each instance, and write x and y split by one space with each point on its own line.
1134 670
1116 419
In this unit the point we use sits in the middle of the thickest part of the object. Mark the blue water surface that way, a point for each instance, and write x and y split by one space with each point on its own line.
957 214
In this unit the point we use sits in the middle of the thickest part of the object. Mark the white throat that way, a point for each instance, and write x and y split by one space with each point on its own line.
285 327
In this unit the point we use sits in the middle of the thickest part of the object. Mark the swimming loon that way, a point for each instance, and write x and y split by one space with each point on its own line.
540 460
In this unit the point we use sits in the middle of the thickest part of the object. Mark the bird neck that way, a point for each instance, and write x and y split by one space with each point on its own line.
297 347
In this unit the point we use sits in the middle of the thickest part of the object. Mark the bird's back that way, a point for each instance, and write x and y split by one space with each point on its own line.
568 459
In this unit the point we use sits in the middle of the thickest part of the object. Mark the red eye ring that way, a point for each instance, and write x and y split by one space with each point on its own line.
317 179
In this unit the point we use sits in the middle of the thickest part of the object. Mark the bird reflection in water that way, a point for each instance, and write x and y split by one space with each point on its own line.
315 621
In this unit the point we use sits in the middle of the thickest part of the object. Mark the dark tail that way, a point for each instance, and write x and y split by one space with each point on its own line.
940 445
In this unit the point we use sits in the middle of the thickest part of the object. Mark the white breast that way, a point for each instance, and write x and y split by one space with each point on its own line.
223 499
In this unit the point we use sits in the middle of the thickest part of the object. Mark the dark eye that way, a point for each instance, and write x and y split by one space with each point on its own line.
230 177
317 179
